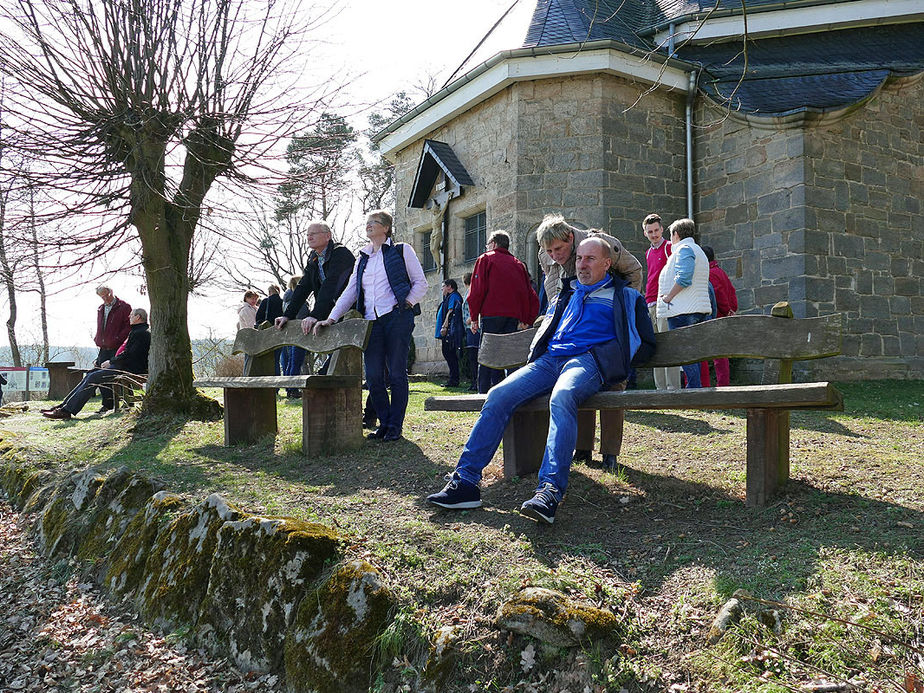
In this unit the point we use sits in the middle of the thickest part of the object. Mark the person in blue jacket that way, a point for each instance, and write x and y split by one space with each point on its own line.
449 329
593 330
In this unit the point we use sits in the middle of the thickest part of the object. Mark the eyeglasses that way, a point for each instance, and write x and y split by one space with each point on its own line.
374 221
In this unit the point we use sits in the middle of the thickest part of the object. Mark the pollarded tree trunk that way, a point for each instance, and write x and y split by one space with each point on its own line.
166 230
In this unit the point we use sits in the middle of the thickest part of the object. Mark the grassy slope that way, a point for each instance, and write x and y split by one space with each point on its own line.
664 542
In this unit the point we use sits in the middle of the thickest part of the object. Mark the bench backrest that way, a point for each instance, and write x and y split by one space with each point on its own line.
347 339
778 338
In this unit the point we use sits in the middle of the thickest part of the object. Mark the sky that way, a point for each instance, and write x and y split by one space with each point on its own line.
385 47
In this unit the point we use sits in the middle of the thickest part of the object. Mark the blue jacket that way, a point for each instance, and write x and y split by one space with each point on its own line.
632 345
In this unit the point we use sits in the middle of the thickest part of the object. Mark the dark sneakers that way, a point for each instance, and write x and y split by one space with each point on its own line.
581 456
457 495
542 506
609 463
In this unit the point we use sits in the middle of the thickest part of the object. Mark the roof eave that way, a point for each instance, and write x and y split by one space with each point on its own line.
647 66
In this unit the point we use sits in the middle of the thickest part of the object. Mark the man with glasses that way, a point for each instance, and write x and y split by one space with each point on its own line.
501 299
326 273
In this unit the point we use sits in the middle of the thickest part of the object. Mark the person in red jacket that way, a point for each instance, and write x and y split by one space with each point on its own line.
501 299
112 327
726 303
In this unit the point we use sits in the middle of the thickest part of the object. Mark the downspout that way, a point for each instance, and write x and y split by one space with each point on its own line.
670 40
691 96
444 222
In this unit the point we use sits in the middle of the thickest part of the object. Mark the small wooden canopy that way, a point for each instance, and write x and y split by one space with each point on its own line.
436 157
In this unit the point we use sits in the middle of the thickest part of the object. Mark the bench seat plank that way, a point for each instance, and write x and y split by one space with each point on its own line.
821 395
300 382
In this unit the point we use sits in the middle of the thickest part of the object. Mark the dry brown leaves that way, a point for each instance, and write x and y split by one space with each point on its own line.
61 634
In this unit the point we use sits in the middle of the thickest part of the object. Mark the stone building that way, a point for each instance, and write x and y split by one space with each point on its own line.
798 152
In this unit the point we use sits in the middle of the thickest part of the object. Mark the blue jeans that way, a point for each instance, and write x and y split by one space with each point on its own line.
293 358
389 345
570 379
691 370
81 394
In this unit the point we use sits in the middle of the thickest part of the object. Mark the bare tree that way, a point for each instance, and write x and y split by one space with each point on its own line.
265 244
135 109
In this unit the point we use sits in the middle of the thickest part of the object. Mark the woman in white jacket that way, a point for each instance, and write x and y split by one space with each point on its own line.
683 287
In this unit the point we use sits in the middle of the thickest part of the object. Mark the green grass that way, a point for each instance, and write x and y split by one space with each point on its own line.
665 541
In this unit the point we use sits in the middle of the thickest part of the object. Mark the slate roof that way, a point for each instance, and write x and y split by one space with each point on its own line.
435 157
824 70
820 71
574 21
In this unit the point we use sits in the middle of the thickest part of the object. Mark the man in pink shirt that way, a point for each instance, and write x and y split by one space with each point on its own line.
655 259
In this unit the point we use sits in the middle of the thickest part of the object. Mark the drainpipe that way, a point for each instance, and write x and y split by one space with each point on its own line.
444 222
691 96
670 39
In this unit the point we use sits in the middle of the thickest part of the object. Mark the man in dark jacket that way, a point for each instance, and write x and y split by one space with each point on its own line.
594 329
131 357
326 273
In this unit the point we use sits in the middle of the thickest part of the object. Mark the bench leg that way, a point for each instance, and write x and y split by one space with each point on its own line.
611 424
586 427
331 420
767 454
524 442
250 414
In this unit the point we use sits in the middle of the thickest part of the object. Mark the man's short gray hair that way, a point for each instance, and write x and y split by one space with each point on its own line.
103 289
320 222
140 313
553 228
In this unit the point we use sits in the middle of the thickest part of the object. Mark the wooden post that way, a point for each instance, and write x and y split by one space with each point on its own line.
611 426
58 383
332 417
586 427
779 371
763 456
250 414
524 442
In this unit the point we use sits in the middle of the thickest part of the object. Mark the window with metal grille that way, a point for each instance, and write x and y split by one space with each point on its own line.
427 261
475 235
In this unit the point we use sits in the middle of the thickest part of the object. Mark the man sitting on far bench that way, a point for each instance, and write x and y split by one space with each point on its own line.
595 327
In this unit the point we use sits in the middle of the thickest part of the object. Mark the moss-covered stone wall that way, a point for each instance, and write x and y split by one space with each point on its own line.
270 593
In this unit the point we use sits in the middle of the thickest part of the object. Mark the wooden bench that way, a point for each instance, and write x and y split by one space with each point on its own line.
128 388
777 338
331 404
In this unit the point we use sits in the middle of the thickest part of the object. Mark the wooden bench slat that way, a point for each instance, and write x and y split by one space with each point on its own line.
300 382
749 336
739 336
822 395
353 332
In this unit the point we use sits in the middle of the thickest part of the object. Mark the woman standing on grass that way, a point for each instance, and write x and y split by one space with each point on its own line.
386 285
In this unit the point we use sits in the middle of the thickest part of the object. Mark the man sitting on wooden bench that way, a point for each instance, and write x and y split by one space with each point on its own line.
131 357
591 333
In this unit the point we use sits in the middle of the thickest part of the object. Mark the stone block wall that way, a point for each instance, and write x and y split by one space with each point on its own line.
865 229
484 141
749 200
596 148
826 215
